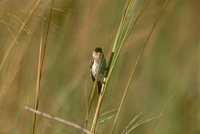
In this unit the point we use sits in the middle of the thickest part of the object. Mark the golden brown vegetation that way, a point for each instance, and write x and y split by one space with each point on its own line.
166 82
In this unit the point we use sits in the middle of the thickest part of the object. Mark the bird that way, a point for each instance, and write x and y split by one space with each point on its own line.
98 67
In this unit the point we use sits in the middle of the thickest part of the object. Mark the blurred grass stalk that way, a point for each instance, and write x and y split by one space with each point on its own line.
92 97
40 65
131 122
36 4
39 74
136 64
120 35
55 118
139 123
162 112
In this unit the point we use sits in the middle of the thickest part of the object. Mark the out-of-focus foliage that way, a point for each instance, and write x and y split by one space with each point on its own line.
170 65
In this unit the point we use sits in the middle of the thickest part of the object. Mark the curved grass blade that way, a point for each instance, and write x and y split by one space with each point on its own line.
137 62
40 66
18 33
139 123
120 31
131 122
162 112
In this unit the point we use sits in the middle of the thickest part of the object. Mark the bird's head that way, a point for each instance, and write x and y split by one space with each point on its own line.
97 53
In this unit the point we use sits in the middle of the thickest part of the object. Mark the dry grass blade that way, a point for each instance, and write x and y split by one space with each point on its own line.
28 31
6 24
170 61
122 35
87 105
10 79
55 118
123 39
40 66
11 33
38 81
122 25
18 33
139 123
90 103
136 64
107 74
13 75
162 112
92 98
108 112
3 90
131 122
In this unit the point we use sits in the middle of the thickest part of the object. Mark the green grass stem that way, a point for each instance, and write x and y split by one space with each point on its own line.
136 65
115 45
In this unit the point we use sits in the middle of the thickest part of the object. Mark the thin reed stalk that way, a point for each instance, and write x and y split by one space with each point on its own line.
7 25
131 122
17 69
58 119
120 31
162 112
130 26
92 96
39 74
90 103
36 4
139 123
26 29
136 64
42 50
108 112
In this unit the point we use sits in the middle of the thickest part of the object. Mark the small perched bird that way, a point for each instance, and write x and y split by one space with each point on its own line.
98 67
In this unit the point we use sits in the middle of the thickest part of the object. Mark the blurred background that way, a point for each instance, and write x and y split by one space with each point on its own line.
167 80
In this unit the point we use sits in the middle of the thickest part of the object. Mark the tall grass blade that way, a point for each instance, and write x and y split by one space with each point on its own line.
162 112
127 32
26 29
139 123
90 103
131 122
40 66
136 64
114 49
18 33
92 96
38 81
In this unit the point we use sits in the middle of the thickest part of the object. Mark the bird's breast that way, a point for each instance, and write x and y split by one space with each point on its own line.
95 69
